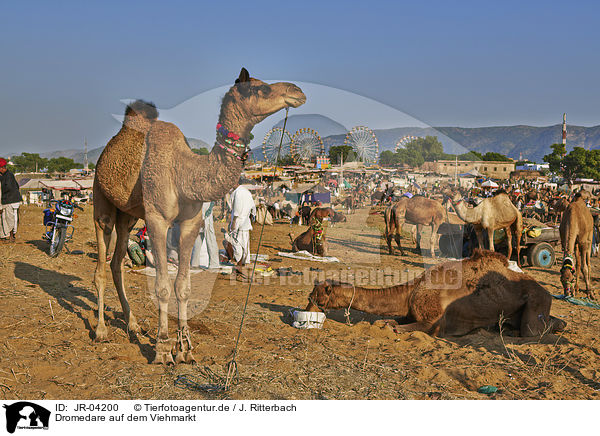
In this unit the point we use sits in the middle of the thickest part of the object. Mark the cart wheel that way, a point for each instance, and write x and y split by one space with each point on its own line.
541 255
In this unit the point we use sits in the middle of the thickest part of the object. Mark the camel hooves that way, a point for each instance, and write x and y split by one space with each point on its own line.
163 358
133 328
101 334
164 355
185 357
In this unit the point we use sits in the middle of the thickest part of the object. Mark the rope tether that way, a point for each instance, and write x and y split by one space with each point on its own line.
347 310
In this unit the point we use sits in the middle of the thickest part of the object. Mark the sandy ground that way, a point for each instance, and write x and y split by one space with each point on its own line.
47 316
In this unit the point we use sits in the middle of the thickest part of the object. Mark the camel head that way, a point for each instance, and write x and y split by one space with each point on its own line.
250 100
319 299
567 275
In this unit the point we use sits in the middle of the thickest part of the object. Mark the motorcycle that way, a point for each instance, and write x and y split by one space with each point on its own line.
58 223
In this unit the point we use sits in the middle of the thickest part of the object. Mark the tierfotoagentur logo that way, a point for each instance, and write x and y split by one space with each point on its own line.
24 415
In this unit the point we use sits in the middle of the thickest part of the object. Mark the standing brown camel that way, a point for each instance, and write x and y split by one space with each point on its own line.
576 230
148 171
493 213
451 299
417 210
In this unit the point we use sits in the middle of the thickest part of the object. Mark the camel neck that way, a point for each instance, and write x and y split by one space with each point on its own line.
234 121
392 301
464 213
218 172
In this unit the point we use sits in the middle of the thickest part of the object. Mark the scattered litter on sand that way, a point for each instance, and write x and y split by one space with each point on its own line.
305 255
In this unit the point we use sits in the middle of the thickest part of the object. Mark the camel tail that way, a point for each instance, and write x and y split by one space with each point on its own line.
291 237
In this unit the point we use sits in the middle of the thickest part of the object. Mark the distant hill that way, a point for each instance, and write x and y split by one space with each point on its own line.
532 142
198 143
76 155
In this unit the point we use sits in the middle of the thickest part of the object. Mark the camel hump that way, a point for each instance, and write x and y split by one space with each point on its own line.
481 254
163 133
142 108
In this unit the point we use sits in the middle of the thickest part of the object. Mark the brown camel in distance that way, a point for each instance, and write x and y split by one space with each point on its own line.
417 210
493 213
451 299
576 230
148 171
558 206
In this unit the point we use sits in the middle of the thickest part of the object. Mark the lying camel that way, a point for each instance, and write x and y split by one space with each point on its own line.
312 240
576 230
452 298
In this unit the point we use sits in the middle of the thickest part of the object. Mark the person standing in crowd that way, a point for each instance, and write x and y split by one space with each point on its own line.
10 199
208 257
237 240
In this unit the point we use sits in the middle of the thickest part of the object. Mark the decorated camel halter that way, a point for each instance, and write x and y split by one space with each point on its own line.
230 142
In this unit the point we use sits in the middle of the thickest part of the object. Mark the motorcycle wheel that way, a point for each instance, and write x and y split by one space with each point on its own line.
58 241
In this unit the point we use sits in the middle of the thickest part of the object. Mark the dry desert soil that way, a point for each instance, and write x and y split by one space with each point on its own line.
47 317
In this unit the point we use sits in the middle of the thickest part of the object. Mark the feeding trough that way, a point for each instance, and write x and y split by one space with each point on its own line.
307 320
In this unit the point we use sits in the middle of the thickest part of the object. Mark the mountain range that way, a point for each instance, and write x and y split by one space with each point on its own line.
528 142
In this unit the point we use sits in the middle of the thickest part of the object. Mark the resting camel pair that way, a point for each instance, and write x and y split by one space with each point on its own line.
451 299
148 171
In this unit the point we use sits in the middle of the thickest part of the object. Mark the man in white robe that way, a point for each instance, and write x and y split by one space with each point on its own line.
237 240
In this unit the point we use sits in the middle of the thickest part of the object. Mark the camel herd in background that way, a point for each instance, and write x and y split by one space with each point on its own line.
499 212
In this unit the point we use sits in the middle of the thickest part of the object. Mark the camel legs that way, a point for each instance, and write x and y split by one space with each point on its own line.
412 327
490 233
188 231
419 228
104 221
583 259
124 224
434 234
157 229
508 234
103 239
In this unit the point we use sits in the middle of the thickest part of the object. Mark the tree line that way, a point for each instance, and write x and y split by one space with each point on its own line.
429 149
32 162
578 163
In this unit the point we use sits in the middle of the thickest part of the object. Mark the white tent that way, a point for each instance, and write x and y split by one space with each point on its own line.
489 184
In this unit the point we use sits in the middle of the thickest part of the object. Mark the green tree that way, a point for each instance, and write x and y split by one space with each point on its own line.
341 150
471 155
29 162
493 156
62 164
430 148
387 158
201 151
555 159
582 163
288 159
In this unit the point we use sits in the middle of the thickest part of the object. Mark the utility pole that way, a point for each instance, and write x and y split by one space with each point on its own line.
85 156
564 130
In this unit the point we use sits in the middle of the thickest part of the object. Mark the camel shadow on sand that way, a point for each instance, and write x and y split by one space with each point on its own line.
73 298
361 247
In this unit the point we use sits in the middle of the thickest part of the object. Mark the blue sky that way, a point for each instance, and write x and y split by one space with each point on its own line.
66 65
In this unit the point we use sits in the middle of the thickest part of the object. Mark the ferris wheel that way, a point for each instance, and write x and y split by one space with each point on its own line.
307 143
270 145
364 142
401 144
